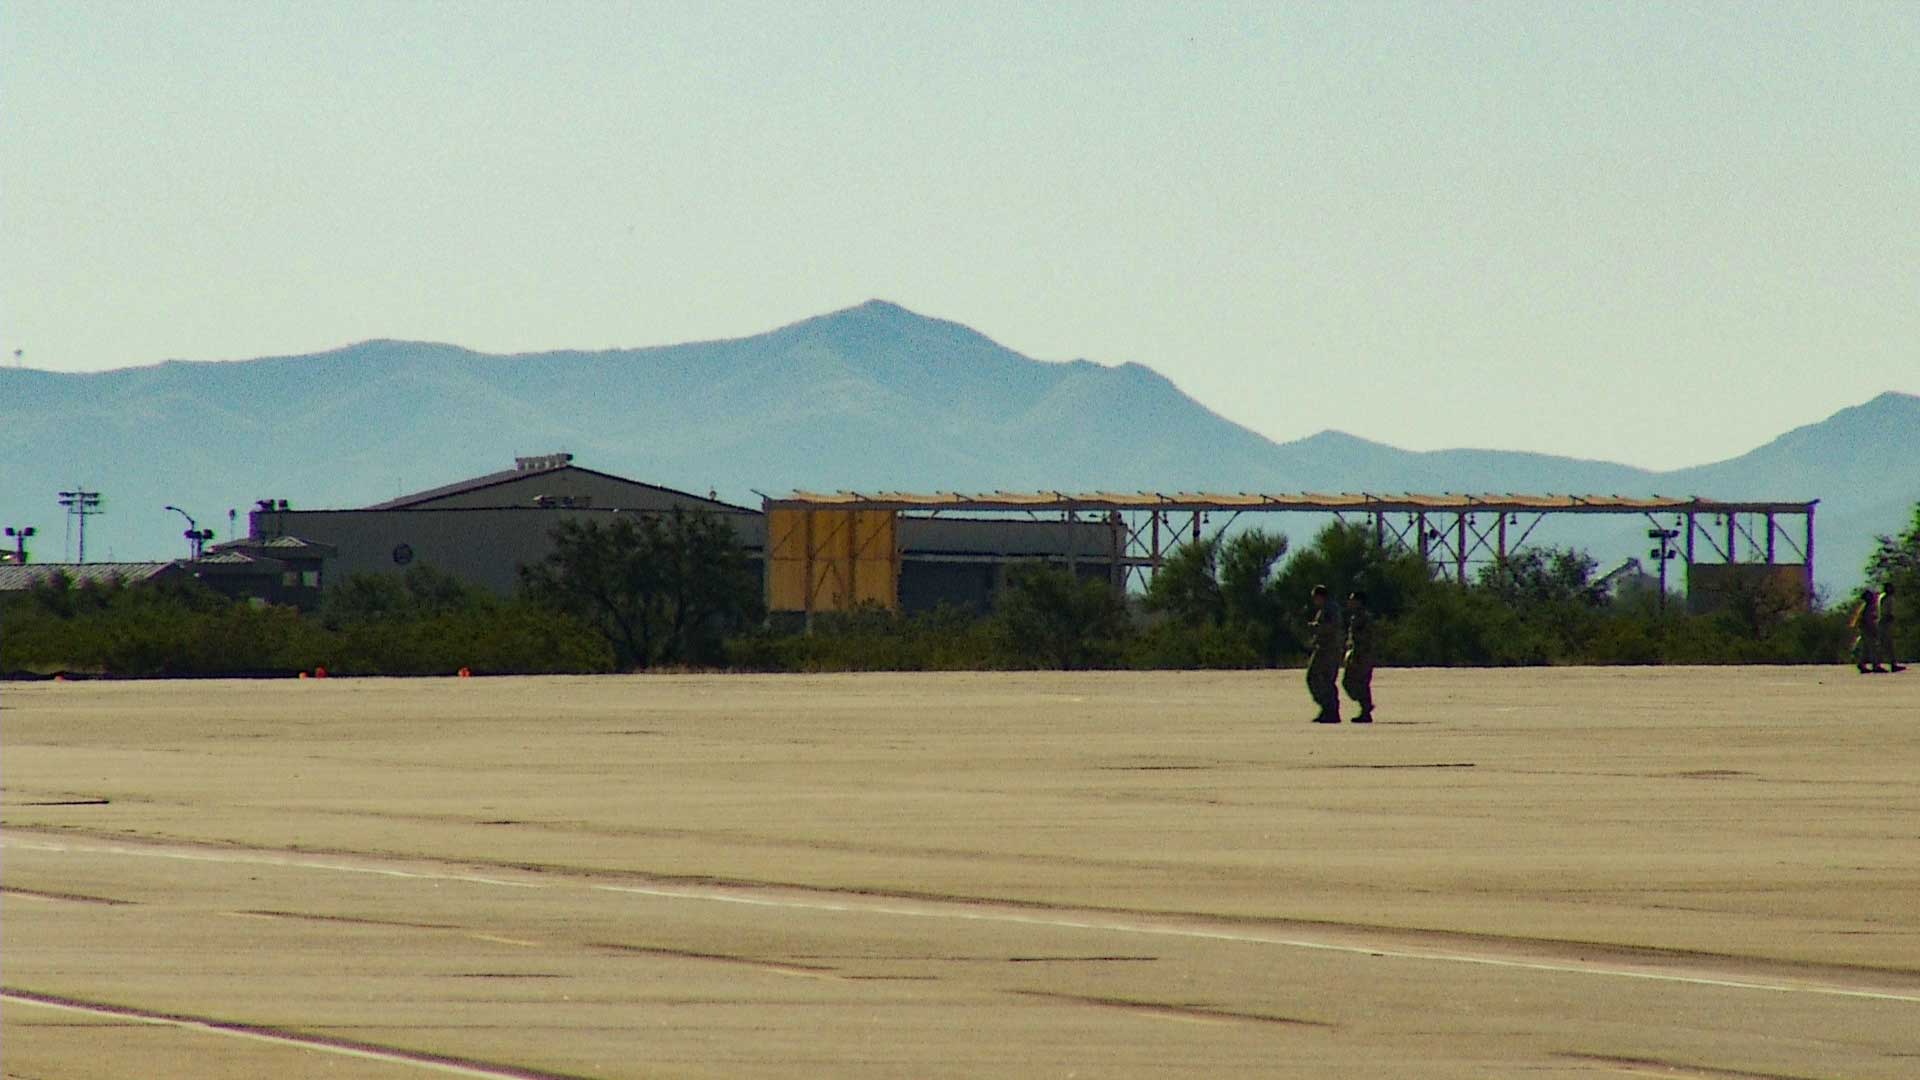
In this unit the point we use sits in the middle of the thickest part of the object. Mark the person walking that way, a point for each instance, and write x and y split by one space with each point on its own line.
1885 650
1867 618
1358 677
1323 664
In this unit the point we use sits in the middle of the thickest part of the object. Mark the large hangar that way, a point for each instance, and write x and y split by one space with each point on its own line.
482 530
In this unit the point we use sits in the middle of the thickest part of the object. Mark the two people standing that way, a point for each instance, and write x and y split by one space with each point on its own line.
1874 619
1324 663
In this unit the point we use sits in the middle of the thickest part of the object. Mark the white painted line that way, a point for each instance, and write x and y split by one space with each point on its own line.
937 911
268 860
325 1046
973 913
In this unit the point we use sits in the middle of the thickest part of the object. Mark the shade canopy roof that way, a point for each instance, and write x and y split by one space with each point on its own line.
1300 501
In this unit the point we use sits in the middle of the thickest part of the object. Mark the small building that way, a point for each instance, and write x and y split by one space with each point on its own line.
282 570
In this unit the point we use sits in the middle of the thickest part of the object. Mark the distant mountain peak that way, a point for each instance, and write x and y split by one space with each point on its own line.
875 310
1892 399
382 349
1334 437
887 335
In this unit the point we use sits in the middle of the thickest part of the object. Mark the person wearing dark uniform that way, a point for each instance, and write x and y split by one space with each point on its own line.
1886 654
1358 678
1323 664
1869 621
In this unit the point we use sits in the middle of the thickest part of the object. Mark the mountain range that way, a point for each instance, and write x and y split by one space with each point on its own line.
872 397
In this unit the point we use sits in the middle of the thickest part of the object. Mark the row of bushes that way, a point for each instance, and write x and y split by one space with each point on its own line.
158 632
1453 627
185 630
676 594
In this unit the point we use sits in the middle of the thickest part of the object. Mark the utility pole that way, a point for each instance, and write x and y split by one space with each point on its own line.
83 505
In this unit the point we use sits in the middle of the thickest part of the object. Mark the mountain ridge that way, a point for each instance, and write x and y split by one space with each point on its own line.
871 396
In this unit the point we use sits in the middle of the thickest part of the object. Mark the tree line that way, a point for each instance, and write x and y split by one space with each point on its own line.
677 590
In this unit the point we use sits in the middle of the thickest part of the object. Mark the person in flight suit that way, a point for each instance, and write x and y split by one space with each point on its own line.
1867 619
1323 664
1358 678
1886 653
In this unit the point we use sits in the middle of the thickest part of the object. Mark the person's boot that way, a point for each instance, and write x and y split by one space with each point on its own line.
1327 718
1365 717
1897 667
1876 670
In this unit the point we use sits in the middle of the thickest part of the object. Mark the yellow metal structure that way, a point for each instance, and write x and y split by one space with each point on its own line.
832 559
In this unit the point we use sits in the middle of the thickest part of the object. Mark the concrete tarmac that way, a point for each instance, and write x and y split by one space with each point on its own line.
1554 872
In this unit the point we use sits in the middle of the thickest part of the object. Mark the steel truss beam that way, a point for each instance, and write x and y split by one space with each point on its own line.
1451 532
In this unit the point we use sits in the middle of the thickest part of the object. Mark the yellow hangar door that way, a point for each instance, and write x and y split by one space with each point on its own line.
832 560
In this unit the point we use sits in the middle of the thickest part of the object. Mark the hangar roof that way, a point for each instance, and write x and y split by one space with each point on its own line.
547 468
19 577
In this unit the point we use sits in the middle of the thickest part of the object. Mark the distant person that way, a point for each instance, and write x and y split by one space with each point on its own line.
1358 678
1886 653
1866 618
1323 664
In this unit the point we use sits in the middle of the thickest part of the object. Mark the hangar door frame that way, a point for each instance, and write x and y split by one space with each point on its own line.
833 559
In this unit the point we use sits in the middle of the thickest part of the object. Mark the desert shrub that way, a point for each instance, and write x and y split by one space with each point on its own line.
1046 617
872 639
1464 626
1171 644
664 588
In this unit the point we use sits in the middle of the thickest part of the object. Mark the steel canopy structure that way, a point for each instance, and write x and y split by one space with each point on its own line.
1449 530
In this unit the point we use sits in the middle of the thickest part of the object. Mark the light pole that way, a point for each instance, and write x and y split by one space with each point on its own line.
20 542
195 535
1662 554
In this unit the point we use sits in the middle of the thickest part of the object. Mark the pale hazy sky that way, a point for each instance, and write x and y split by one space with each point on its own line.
1654 233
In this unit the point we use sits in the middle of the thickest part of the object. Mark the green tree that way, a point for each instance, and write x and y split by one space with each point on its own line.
1462 625
1218 589
1553 592
1249 589
422 592
1345 558
1186 587
1536 577
660 588
1896 561
1047 617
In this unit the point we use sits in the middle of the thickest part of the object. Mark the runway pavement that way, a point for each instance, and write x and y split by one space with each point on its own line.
1566 872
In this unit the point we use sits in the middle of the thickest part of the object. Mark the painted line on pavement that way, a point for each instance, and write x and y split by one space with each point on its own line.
267 860
364 1051
956 911
773 897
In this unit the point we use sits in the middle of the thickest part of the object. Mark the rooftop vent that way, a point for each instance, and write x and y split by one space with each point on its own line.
542 462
